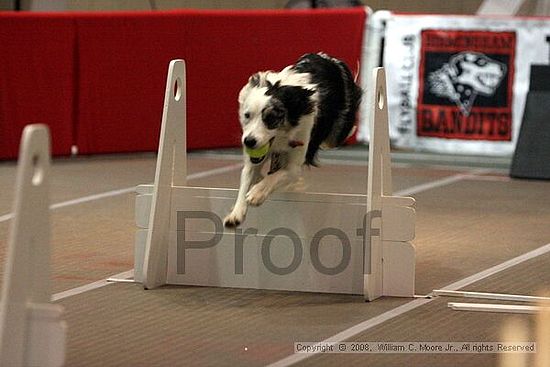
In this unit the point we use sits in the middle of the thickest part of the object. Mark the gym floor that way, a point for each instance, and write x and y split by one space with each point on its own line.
471 220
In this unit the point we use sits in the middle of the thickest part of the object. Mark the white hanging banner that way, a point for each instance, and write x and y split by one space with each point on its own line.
458 84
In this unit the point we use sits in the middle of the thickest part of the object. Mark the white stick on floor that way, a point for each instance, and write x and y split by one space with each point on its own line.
495 296
489 307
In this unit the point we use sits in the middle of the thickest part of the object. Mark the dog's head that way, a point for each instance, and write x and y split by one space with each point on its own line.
268 109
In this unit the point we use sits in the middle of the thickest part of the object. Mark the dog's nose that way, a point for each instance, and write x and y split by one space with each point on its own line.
250 142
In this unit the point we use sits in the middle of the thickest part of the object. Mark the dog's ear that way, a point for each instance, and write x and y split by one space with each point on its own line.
259 80
255 80
297 102
273 115
272 88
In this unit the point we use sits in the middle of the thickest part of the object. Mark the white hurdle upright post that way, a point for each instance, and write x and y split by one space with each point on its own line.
389 257
297 241
171 170
32 332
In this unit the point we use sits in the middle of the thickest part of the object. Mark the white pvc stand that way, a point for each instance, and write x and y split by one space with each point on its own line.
32 332
493 296
491 307
336 243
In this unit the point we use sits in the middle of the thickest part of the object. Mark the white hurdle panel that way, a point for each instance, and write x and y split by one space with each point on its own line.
318 242
32 332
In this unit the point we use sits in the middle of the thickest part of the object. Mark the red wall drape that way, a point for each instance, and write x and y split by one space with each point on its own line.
36 78
98 78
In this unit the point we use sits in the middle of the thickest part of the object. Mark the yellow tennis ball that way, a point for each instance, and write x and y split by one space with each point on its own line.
258 152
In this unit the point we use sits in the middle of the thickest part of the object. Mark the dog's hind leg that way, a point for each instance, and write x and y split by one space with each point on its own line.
249 175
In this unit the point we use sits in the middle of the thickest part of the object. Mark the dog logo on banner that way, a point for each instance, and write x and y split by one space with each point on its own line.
466 75
466 84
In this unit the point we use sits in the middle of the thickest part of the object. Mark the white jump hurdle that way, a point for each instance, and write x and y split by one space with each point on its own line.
318 242
32 332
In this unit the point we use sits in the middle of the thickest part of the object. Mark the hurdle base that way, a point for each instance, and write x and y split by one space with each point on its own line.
398 263
47 335
215 266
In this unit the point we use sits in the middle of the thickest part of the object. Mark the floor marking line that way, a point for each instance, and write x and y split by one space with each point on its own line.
127 190
6 217
91 286
93 197
498 268
400 310
439 183
215 171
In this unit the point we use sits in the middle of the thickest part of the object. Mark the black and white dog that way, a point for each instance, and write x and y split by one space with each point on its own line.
291 114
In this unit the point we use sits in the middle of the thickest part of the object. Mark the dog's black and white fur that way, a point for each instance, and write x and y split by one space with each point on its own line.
297 110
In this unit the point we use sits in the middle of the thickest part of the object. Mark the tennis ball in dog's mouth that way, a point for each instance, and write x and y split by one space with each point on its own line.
257 154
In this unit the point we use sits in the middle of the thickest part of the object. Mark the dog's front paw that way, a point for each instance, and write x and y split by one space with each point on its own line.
233 219
257 194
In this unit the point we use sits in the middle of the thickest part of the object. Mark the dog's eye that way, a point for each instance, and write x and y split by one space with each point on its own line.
247 115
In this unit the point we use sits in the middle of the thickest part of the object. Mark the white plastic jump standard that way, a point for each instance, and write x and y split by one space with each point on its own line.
318 242
491 307
171 171
32 332
391 256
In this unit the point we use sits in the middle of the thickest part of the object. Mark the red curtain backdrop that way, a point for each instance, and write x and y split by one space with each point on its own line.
101 76
36 78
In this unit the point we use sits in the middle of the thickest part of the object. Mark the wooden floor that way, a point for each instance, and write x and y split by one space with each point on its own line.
470 219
